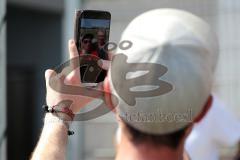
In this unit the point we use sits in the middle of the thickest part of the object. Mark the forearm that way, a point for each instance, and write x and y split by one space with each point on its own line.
53 141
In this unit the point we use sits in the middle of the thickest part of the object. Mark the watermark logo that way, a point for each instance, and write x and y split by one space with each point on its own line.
119 68
158 117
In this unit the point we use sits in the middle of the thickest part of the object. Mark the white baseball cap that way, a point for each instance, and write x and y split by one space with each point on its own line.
164 79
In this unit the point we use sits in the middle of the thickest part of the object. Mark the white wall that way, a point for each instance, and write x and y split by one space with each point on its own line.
227 84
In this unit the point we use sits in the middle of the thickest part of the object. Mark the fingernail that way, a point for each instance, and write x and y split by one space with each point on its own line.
71 41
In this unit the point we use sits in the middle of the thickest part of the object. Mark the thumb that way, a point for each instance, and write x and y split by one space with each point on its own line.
73 52
49 73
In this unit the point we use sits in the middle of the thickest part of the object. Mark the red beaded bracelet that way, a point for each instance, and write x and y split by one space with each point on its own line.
56 109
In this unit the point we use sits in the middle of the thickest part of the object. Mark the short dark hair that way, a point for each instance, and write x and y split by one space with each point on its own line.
171 140
102 30
87 36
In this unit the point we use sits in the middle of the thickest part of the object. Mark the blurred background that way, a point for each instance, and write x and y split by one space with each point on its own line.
33 38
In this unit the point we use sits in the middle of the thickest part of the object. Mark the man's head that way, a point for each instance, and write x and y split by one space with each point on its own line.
86 42
163 82
101 37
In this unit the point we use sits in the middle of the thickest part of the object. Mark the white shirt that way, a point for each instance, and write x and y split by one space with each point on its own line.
219 128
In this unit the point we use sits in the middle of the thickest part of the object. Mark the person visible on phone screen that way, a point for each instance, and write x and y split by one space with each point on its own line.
87 45
101 51
89 48
101 41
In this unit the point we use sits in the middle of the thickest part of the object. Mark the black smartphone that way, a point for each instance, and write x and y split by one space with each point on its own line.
91 34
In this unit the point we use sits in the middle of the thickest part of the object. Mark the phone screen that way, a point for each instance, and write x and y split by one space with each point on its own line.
93 34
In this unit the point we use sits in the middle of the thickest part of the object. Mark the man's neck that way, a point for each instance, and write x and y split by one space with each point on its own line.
126 150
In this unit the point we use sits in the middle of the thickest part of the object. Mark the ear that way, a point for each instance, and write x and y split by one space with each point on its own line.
205 109
188 130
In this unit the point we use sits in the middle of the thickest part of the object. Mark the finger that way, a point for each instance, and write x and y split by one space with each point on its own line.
100 86
110 56
73 73
104 64
49 73
73 77
73 52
